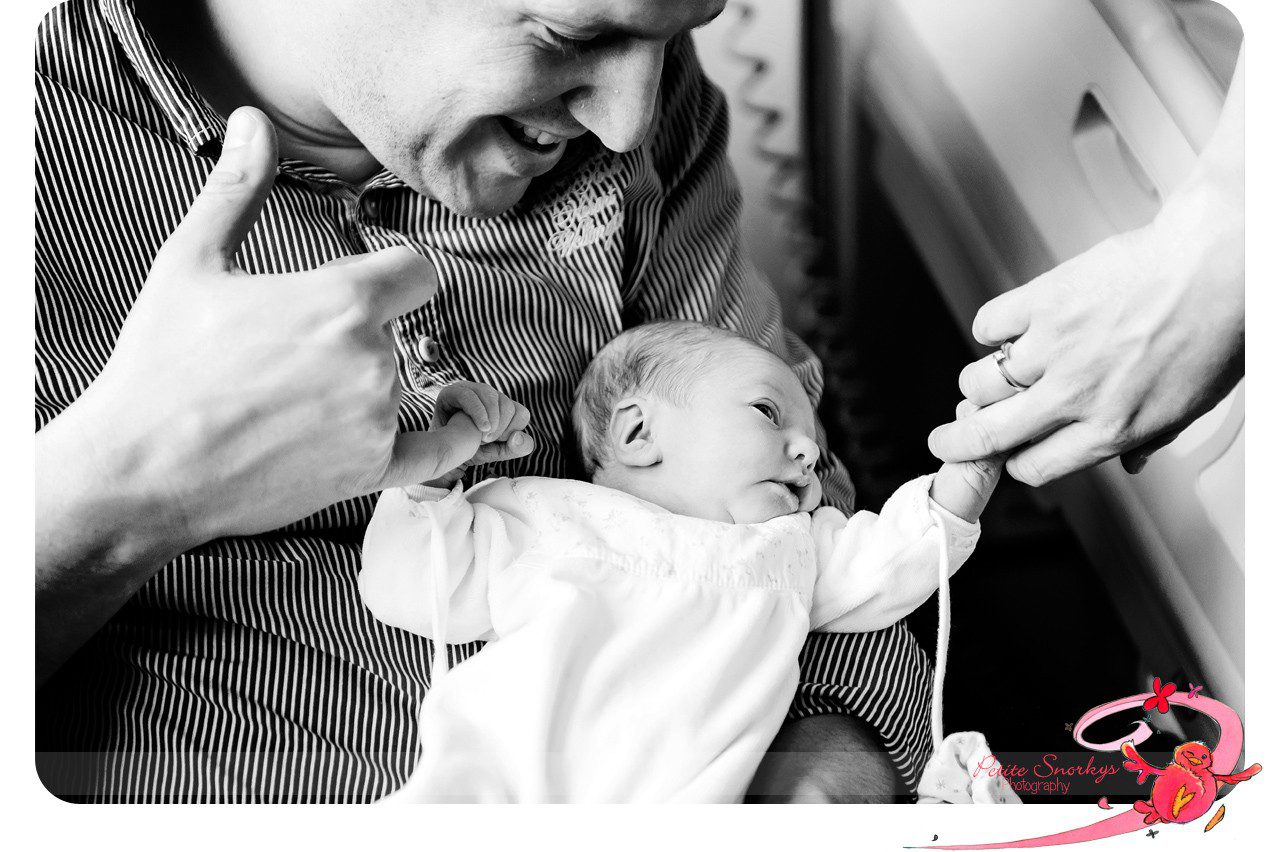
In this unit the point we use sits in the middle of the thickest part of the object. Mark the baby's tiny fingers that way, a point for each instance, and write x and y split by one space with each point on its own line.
517 446
493 408
516 421
502 419
965 408
470 402
983 474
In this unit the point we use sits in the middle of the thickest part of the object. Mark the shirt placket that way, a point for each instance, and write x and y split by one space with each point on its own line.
365 211
417 338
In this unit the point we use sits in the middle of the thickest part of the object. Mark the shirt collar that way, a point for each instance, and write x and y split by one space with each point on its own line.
197 123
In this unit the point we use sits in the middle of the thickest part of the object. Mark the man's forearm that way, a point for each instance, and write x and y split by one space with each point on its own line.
96 542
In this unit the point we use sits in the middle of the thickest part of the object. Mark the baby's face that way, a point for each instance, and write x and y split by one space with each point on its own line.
743 449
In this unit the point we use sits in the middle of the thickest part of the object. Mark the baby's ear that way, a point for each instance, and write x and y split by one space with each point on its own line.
631 433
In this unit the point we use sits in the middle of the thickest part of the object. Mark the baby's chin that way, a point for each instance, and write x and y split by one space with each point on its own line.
765 504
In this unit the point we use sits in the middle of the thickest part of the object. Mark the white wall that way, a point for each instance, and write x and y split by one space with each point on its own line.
766 127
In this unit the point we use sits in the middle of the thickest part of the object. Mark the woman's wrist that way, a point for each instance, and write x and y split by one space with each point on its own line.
1198 233
1198 238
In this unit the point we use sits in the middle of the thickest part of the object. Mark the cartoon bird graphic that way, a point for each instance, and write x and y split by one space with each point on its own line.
1186 788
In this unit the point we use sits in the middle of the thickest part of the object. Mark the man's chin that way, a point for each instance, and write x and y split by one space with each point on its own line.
483 201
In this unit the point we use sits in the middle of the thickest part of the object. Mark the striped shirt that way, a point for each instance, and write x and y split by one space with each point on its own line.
248 669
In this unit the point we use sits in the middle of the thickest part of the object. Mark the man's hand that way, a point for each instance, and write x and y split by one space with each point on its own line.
247 401
481 425
231 404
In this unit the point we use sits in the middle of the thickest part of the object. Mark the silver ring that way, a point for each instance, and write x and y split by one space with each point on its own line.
1001 356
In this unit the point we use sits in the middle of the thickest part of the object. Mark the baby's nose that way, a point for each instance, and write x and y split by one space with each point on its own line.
804 450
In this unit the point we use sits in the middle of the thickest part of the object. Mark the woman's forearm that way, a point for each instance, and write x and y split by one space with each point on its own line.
1199 233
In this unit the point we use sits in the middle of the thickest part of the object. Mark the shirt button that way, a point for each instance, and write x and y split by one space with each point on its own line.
370 207
428 350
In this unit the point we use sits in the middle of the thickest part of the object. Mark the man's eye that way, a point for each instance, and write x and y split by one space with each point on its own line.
767 410
566 46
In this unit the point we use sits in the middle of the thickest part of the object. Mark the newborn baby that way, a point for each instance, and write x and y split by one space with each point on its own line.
644 628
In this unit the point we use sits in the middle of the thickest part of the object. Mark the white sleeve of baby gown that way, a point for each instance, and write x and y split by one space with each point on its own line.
483 531
875 569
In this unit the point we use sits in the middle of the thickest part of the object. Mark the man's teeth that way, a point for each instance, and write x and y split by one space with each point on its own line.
535 135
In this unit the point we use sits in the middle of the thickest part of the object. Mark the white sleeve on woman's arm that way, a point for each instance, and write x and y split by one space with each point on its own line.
484 531
875 569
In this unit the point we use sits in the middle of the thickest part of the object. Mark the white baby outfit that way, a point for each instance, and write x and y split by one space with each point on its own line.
640 655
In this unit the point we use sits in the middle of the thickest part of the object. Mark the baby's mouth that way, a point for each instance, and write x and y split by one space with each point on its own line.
797 488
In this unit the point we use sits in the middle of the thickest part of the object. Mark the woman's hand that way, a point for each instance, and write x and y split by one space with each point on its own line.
1121 347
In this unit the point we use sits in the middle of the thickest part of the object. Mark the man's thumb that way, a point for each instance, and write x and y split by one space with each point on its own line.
421 456
233 194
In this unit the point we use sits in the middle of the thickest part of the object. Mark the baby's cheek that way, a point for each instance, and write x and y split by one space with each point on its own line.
769 502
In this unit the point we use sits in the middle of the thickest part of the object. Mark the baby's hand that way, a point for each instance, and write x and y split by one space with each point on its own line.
481 425
963 488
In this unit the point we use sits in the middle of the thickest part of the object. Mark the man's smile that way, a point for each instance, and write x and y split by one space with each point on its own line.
536 137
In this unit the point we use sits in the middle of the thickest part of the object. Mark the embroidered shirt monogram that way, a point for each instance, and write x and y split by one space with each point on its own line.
589 211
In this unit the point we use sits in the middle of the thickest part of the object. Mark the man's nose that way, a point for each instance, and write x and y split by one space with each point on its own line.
617 103
804 449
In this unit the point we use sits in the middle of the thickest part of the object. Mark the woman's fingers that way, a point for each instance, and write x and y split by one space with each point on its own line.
1004 317
1000 427
1073 447
983 382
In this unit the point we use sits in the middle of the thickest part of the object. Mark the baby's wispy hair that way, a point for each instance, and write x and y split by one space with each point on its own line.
662 358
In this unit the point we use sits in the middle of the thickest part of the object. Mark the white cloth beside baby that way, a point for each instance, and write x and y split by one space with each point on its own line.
964 771
640 655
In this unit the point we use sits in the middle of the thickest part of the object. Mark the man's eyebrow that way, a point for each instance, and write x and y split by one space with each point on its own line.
612 30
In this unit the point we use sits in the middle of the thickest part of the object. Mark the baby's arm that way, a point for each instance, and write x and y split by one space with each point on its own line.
420 530
963 488
875 569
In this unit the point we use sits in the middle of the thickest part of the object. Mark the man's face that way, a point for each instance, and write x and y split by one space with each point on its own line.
468 100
